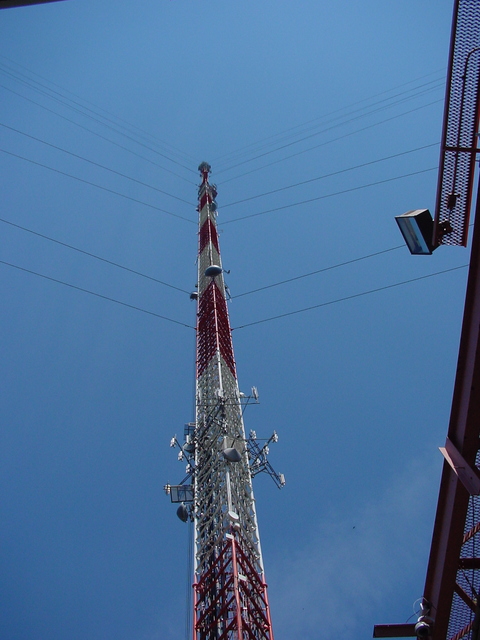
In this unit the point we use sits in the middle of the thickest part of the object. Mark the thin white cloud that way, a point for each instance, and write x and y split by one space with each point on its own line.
354 564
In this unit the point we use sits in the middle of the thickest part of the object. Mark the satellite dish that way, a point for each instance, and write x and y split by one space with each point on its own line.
213 270
182 512
189 447
194 295
232 455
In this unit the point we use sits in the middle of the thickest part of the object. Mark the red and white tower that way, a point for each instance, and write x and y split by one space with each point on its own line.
230 592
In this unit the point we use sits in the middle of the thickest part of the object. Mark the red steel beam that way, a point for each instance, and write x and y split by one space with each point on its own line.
463 432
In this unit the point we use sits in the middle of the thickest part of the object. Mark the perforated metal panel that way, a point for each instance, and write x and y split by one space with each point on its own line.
467 584
460 128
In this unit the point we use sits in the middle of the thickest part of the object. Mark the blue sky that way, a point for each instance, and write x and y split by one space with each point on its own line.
271 94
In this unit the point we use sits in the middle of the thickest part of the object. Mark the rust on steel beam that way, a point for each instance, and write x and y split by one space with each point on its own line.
464 430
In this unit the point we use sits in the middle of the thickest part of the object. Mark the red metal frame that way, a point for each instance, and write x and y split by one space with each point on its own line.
239 607
452 582
213 330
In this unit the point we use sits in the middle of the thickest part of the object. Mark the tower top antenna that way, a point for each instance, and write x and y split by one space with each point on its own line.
204 169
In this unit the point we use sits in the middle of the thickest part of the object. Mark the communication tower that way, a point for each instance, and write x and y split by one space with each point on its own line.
230 592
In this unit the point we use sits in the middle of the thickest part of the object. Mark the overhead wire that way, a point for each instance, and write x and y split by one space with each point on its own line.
331 113
334 124
255 322
322 144
324 130
249 324
91 255
329 195
97 295
230 204
170 194
329 175
95 119
83 100
92 162
98 135
317 271
345 298
98 186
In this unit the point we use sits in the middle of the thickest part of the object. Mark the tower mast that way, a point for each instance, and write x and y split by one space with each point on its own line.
230 592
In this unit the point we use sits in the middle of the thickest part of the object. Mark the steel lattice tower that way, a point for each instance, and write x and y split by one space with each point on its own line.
230 592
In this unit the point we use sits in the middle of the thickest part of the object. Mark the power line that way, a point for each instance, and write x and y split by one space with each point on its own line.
98 186
356 295
98 135
330 195
91 255
312 273
98 295
329 175
322 144
92 162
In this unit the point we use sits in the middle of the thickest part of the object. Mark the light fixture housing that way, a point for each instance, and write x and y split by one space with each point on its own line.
417 229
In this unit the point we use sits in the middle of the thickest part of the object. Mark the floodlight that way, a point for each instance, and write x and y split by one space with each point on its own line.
417 229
